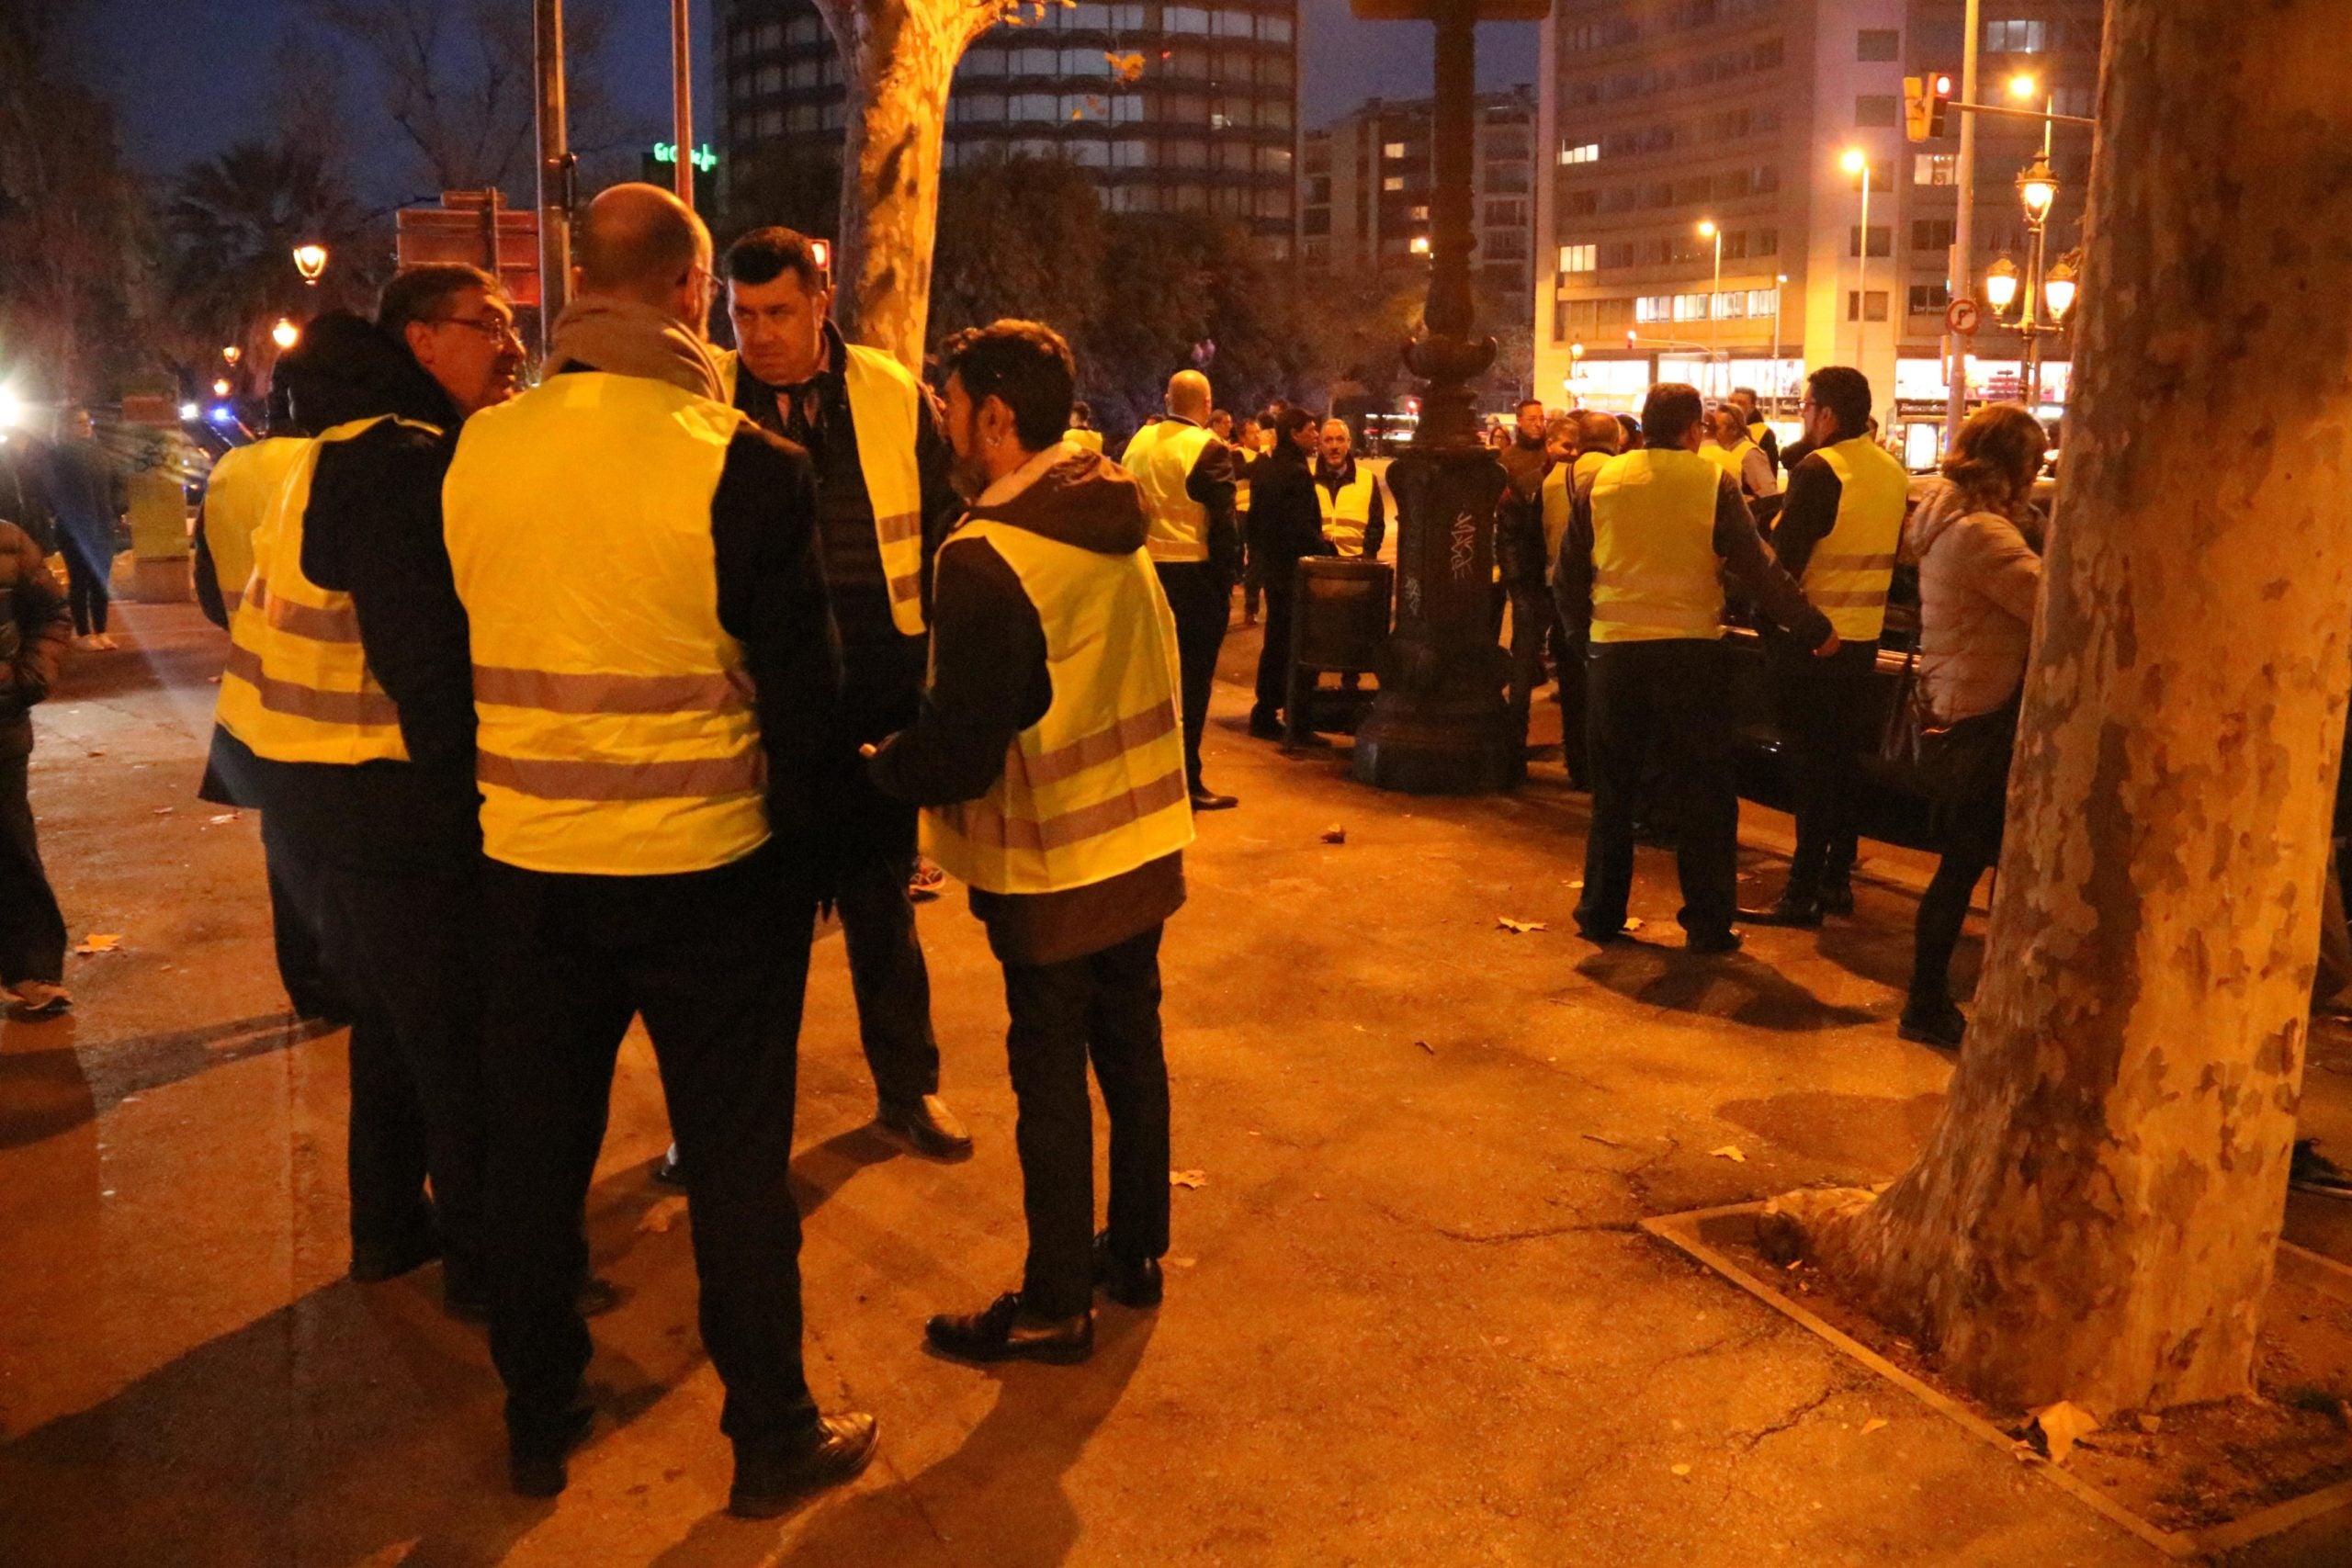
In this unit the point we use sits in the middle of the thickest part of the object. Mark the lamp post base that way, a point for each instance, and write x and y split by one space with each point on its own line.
1440 724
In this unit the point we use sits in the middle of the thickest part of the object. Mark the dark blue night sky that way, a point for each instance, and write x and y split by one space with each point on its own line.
190 77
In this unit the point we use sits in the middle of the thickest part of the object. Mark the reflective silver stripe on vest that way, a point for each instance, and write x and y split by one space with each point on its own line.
310 702
308 621
1636 612
546 778
1846 598
901 528
1091 751
1656 581
983 824
553 692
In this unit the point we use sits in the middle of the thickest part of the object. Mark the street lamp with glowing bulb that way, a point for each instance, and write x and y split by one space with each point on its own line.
2001 285
2022 87
310 261
2038 190
2060 286
231 354
285 335
220 387
1421 245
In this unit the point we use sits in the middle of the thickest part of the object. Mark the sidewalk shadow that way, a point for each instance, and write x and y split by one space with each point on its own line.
1737 989
60 1085
355 1424
998 1496
822 1169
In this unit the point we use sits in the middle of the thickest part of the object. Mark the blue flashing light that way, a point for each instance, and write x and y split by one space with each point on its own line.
224 414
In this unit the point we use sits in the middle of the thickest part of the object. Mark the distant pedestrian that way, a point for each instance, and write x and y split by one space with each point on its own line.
1286 525
87 492
33 637
1978 578
1049 760
1522 570
1081 431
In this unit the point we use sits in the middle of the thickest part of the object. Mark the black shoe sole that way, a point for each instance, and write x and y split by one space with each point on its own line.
918 1144
1138 1300
773 1504
1058 1355
540 1472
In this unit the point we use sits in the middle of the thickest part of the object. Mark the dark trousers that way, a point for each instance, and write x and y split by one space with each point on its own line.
1201 601
1674 696
1531 614
887 975
1568 662
1273 659
1972 846
309 989
1825 708
88 566
1104 1008
716 963
399 947
32 932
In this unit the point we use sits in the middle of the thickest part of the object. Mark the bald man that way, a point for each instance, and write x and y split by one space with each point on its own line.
654 687
1187 476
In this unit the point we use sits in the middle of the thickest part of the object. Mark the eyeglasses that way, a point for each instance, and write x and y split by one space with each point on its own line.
490 327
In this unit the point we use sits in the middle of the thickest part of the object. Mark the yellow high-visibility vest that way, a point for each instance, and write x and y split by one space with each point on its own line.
885 406
1848 574
616 733
1095 787
1654 571
297 687
1078 435
1160 457
1558 495
1347 516
237 497
1755 430
1732 460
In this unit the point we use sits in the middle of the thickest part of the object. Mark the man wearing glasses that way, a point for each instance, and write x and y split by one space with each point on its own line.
367 796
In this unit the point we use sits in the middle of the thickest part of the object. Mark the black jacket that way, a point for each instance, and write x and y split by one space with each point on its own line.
990 682
1519 516
34 634
1285 523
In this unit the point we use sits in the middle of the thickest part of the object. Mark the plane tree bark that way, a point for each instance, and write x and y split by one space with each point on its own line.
2096 1216
898 58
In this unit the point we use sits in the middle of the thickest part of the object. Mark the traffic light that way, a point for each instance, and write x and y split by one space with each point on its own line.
1926 103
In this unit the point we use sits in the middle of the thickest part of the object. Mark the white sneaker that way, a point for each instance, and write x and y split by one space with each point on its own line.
42 999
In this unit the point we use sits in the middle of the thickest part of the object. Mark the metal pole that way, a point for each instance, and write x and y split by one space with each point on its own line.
1963 225
2031 325
682 88
1780 287
555 171
1862 290
1714 316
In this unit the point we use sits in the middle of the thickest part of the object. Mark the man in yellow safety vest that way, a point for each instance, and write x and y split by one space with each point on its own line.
654 687
883 504
1840 525
1641 572
1187 475
1354 514
1049 762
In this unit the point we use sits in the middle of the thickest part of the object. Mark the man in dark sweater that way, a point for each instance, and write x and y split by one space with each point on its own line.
871 430
1286 524
1061 800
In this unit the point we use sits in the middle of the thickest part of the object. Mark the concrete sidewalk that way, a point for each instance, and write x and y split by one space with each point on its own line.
1409 1320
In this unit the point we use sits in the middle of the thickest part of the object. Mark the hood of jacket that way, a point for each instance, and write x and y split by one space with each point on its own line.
1941 506
346 370
1072 495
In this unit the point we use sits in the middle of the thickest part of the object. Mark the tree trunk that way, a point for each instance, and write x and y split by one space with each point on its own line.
897 58
2096 1214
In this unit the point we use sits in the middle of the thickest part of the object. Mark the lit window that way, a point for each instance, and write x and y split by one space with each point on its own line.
1933 168
1393 182
1579 258
1392 150
1584 153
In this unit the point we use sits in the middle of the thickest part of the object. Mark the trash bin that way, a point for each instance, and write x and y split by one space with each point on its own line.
1340 625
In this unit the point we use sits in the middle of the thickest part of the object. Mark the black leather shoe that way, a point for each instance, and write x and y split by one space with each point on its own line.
1837 898
928 1127
1799 911
1711 943
1133 1282
534 1458
1006 1332
767 1483
373 1262
1209 800
1265 727
1937 1023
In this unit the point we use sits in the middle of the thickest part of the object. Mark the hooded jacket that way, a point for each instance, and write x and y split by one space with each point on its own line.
1978 579
990 682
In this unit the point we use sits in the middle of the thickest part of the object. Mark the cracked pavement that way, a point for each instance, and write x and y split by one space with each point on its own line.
1408 1318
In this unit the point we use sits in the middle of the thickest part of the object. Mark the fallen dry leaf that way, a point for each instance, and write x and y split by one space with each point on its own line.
1680 1468
1872 1425
1577 883
162 811
1729 1152
1520 927
1426 1046
1335 834
2150 1423
224 817
658 1220
2062 1427
1188 1178
1632 922
99 943
1182 1262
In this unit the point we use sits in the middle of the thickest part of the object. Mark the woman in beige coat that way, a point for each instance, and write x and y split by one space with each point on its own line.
1978 579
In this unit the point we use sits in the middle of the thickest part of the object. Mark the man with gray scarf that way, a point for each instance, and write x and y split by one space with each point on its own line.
653 677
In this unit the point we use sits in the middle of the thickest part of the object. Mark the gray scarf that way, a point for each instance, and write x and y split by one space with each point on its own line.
626 338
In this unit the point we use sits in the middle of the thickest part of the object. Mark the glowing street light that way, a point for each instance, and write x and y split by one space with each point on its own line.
310 261
220 389
2022 87
231 353
1420 244
285 335
2059 288
2038 190
2001 285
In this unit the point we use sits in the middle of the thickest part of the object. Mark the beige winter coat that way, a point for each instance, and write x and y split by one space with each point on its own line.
1978 579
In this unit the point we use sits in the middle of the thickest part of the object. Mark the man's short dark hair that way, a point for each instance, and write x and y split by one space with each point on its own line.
422 292
1525 402
1846 393
766 254
1289 420
1024 365
1670 409
1747 392
1081 412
